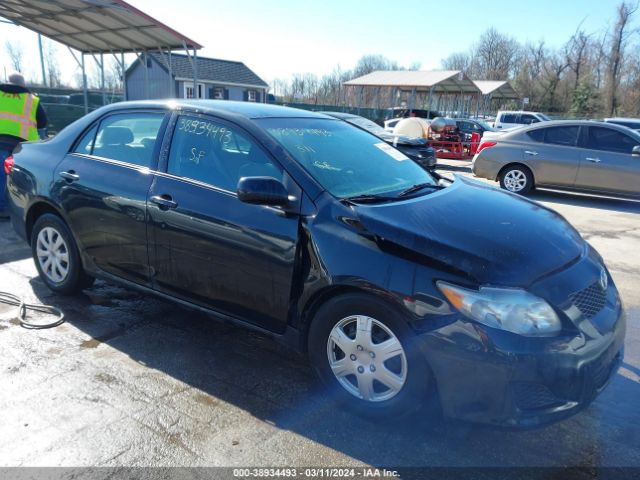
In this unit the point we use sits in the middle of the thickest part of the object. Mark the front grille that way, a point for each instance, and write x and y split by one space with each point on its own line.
533 396
590 300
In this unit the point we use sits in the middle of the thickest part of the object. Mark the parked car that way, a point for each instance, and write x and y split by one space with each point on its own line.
510 119
417 149
300 226
632 123
469 126
582 155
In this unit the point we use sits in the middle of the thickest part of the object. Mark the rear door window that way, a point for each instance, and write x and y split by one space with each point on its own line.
537 135
128 137
561 135
508 118
608 139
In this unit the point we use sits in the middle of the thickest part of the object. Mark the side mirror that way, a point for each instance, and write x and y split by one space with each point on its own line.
262 191
636 151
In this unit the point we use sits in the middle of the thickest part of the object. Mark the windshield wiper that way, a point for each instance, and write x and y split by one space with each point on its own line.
370 198
418 187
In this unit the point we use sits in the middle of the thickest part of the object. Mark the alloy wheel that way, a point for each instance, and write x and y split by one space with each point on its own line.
53 254
367 358
515 180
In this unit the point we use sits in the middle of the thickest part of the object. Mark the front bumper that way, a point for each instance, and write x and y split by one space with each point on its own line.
485 377
496 377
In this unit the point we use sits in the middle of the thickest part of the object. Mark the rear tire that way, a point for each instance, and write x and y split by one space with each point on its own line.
379 369
56 256
517 179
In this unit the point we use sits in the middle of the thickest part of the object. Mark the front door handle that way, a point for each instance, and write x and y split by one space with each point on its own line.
531 152
164 201
593 159
70 176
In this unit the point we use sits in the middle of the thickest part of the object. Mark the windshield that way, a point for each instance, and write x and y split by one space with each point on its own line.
346 161
544 117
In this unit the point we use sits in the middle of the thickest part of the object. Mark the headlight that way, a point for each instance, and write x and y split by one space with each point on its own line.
513 310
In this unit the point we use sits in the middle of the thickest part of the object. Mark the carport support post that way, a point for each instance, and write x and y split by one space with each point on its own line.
124 77
412 101
146 75
172 89
430 98
195 73
44 77
84 84
104 94
394 99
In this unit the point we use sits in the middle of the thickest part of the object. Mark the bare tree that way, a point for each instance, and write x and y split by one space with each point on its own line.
617 44
553 69
577 49
112 74
458 61
16 53
49 53
495 55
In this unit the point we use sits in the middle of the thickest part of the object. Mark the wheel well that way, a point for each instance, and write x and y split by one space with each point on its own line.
319 299
35 212
513 164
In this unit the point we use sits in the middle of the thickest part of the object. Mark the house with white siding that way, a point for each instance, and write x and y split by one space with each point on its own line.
216 79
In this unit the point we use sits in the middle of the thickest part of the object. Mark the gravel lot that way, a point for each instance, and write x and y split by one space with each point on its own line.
133 380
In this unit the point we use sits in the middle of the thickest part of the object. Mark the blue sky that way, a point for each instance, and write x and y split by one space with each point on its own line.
279 37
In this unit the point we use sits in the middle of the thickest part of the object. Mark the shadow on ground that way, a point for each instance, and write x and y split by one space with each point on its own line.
587 201
229 364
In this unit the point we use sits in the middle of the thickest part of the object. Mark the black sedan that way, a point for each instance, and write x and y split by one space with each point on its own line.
417 149
319 234
469 126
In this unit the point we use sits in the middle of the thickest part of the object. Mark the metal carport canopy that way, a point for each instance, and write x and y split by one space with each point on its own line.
95 26
434 81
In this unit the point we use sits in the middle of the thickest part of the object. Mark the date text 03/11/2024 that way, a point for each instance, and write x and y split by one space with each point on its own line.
363 472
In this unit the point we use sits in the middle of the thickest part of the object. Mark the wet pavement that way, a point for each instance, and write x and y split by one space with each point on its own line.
133 380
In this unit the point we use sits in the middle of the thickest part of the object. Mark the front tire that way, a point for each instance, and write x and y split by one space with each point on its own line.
517 179
56 256
366 354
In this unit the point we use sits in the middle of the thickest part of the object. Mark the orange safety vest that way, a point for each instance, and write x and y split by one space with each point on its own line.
18 115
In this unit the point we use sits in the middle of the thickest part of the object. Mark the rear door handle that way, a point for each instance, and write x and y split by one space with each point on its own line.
594 159
70 176
531 152
164 201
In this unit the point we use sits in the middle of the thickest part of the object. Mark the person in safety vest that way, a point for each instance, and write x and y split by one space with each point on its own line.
21 115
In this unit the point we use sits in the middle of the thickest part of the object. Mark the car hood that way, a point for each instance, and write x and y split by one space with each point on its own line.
490 235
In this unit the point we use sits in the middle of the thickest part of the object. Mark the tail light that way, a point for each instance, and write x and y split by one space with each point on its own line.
8 164
486 144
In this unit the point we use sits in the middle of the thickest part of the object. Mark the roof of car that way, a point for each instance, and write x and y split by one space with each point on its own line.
559 123
341 115
245 109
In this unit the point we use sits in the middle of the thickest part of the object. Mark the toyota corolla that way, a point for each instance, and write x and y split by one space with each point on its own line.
399 288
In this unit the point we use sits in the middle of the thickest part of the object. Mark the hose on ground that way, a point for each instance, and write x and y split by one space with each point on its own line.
24 308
